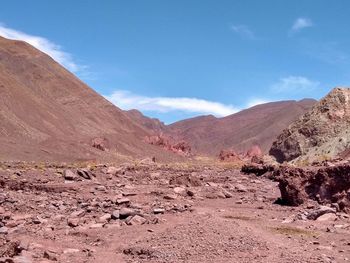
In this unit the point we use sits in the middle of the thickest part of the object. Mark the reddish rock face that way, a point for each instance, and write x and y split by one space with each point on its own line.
170 144
100 143
325 184
229 155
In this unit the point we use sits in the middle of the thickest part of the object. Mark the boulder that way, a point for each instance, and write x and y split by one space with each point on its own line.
324 184
69 175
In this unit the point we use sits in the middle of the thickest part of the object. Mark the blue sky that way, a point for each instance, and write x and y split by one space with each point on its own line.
183 58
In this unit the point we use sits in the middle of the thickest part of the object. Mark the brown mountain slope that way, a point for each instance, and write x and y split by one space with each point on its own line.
321 133
258 125
153 125
46 113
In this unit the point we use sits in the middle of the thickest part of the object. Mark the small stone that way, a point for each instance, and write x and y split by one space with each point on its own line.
101 188
180 190
73 222
85 173
313 215
112 170
50 255
97 225
3 230
126 212
170 197
241 188
115 214
327 217
129 194
37 220
288 220
135 220
122 201
190 192
2 210
78 213
158 211
105 218
227 194
69 175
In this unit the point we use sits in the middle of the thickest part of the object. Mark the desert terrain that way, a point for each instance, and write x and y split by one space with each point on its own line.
84 181
149 212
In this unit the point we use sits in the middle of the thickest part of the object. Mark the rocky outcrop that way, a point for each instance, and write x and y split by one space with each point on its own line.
320 134
170 144
327 184
229 156
100 143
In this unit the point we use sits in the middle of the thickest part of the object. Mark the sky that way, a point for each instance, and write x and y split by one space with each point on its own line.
179 59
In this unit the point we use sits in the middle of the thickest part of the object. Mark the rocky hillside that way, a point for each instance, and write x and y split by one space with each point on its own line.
322 133
46 113
259 125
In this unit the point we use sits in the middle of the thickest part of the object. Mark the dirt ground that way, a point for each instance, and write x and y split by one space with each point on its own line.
158 213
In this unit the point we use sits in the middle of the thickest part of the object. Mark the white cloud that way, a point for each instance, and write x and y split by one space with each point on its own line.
53 50
256 101
244 31
294 84
301 23
127 100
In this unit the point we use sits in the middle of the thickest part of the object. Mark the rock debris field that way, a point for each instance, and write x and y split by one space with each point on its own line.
148 212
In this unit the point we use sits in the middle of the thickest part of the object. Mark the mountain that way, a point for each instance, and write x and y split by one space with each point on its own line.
153 125
47 113
259 125
320 134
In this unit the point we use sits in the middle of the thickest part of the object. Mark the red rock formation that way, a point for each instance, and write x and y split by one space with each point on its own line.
229 155
325 184
170 144
100 143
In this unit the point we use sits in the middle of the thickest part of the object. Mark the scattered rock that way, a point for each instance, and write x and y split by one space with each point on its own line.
126 212
313 215
158 211
85 173
115 214
170 197
69 175
123 201
73 222
4 230
135 220
105 218
50 255
240 188
327 217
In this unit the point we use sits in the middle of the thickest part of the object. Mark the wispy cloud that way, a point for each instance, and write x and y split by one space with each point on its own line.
301 23
244 31
127 100
52 49
256 101
294 84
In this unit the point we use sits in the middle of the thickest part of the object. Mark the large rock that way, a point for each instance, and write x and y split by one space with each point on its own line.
324 184
320 134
